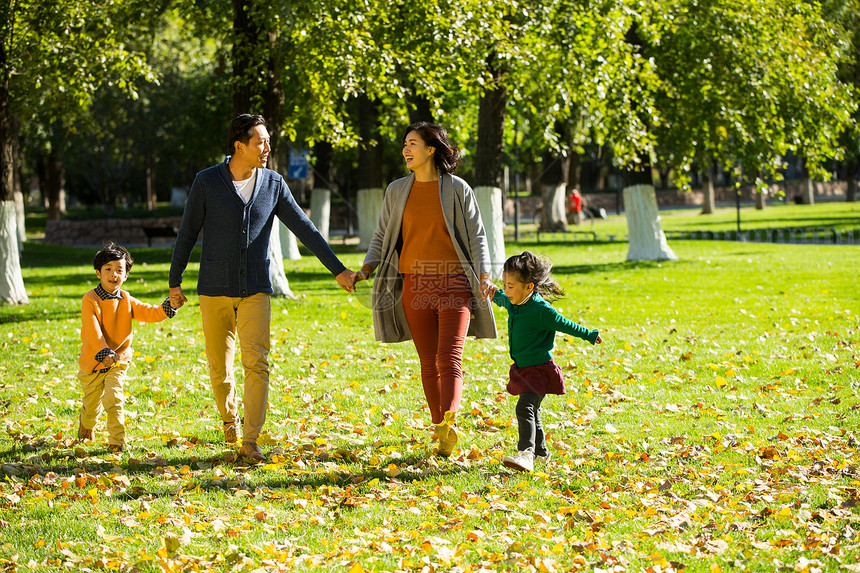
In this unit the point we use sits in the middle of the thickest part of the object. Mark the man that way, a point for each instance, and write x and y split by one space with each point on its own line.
234 204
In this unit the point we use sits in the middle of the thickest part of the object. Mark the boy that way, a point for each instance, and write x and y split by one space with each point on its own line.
106 335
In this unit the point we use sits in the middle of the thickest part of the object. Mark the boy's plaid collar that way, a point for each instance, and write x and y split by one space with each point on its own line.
104 295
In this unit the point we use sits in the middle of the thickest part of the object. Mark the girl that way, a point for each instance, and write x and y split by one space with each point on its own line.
532 324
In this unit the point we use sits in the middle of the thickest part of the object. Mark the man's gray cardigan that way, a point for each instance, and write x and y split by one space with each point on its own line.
235 257
463 220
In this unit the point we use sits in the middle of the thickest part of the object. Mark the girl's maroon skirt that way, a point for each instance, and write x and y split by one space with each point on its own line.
541 379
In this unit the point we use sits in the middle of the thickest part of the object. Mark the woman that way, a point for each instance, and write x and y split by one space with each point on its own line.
434 271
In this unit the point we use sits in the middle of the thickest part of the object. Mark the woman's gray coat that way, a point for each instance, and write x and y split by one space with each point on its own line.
463 219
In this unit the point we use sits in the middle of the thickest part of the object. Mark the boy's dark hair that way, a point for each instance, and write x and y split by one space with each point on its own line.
112 252
241 129
447 156
531 269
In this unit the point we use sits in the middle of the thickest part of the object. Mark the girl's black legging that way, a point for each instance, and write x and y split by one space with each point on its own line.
530 427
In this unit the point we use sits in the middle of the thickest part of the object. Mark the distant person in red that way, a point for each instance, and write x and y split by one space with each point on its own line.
575 206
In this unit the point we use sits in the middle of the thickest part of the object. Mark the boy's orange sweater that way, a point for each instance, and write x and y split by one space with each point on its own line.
107 324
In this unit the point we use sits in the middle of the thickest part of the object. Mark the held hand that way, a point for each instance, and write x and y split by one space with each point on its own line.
346 280
359 276
598 340
109 361
488 289
177 298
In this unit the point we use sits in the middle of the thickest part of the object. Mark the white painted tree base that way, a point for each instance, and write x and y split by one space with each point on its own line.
289 243
554 213
12 289
280 284
493 218
20 220
369 205
647 241
321 210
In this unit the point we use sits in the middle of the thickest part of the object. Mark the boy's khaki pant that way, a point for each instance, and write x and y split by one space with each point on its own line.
105 390
250 318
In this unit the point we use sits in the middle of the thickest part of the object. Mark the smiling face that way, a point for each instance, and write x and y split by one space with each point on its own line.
515 289
418 155
112 275
255 153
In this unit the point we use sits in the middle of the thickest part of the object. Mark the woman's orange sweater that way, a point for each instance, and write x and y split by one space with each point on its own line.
427 246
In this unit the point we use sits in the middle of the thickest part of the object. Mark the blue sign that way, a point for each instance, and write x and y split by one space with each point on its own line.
298 164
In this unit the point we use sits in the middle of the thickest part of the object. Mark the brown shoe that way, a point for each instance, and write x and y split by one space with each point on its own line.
116 448
85 434
252 453
230 435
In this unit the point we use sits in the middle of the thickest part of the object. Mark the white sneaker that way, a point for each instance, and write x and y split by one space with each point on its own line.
523 461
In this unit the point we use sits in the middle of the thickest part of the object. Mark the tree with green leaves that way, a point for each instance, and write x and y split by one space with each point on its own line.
54 54
743 82
844 15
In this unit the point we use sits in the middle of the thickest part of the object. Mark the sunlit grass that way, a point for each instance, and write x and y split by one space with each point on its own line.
716 426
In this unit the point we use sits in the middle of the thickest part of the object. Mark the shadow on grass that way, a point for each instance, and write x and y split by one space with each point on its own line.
613 267
247 476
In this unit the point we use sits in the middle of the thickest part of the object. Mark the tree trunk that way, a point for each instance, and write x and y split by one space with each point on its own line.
553 185
574 171
280 284
489 150
20 220
851 190
11 281
664 177
709 204
489 161
247 66
150 186
17 192
760 199
289 243
553 212
368 203
370 158
55 185
370 178
807 191
419 109
257 85
321 210
647 241
323 158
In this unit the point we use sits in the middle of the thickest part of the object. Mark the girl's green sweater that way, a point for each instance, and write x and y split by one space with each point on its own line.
532 327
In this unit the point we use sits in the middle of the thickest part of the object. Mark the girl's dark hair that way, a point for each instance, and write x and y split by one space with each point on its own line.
242 129
112 252
532 269
447 156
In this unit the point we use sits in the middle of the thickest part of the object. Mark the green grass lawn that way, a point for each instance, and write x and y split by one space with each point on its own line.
836 215
715 429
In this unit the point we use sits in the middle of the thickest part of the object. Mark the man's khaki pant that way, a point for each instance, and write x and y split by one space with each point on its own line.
250 318
105 390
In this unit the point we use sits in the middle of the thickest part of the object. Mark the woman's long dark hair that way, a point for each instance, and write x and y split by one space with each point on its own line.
531 269
447 156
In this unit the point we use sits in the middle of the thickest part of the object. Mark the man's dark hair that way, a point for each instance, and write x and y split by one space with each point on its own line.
241 129
112 252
